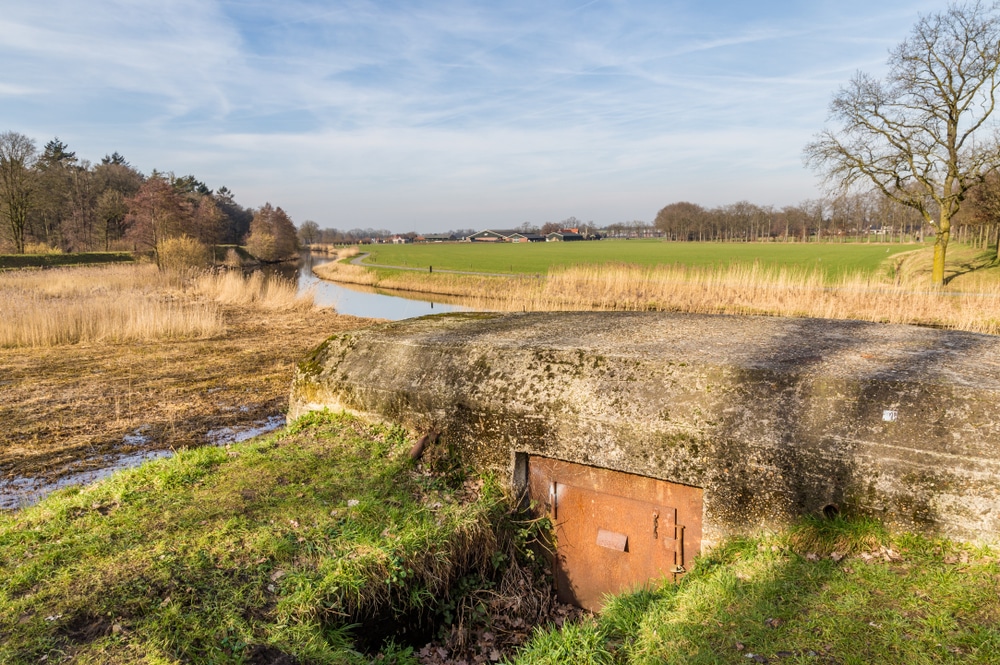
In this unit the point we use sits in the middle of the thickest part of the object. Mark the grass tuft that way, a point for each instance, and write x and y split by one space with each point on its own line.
826 536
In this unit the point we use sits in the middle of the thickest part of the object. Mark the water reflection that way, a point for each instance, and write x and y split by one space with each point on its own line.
357 300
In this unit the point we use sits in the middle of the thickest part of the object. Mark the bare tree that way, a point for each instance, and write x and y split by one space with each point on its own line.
682 221
17 157
985 207
918 135
272 235
308 232
157 212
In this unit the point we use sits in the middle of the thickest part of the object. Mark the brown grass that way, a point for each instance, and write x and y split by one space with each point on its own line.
65 406
128 303
254 290
738 289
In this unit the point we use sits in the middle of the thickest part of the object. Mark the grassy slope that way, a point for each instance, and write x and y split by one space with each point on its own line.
8 261
227 555
274 547
841 592
540 257
967 268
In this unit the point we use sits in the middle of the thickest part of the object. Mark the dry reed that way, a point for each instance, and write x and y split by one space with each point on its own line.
736 289
128 303
256 290
33 320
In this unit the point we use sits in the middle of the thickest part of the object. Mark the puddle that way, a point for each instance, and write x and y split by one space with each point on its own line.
224 435
22 492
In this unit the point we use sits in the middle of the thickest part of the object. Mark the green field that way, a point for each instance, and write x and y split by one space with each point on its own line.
834 259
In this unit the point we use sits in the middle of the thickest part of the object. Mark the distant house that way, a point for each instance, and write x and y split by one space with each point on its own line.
489 235
505 235
525 237
563 236
436 237
400 240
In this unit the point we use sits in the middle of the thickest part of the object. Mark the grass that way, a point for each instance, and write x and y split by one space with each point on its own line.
325 541
50 260
227 555
65 407
832 260
735 289
827 592
127 303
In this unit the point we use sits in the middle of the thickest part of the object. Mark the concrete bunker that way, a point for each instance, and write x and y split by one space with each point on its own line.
763 418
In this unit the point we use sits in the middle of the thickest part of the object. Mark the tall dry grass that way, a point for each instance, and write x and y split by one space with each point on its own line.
254 290
30 319
736 289
125 303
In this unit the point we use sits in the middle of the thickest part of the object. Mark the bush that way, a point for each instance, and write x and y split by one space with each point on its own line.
233 259
183 253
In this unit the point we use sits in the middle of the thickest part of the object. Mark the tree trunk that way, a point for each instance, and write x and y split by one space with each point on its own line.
940 249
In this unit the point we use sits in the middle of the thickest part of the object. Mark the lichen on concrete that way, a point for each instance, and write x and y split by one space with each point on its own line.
771 417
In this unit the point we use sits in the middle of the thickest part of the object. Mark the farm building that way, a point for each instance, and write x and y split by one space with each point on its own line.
508 235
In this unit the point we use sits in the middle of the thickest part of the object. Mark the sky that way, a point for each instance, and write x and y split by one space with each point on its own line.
430 116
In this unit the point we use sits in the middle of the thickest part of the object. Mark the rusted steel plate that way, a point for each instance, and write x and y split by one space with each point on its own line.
612 541
614 531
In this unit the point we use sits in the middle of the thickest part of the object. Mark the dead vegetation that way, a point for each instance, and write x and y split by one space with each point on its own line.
69 399
895 296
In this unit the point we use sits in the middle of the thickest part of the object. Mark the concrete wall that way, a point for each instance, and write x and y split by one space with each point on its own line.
771 417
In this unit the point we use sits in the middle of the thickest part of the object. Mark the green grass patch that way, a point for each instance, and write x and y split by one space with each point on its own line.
9 261
838 591
240 554
538 258
305 543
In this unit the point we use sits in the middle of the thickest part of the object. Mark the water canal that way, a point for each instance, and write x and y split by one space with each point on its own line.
359 300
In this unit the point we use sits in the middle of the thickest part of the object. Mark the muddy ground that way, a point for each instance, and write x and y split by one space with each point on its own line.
67 412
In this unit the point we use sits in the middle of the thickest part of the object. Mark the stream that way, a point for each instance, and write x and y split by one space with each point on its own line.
359 300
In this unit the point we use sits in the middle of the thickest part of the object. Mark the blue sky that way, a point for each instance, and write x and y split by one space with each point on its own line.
436 115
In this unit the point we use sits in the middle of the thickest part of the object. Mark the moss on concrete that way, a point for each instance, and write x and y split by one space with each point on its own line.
772 417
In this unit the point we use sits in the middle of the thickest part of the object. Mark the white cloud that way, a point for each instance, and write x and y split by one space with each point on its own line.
434 111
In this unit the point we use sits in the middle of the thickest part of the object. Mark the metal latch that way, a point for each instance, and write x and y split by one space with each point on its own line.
677 569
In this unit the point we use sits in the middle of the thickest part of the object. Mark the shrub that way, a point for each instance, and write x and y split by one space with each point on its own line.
183 253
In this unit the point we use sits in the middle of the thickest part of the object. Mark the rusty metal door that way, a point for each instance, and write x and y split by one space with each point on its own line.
614 531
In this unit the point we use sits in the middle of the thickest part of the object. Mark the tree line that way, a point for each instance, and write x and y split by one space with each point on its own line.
53 200
838 218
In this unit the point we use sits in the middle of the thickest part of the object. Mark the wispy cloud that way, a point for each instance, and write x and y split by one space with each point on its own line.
433 111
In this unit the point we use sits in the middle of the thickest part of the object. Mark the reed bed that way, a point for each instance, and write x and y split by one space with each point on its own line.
34 320
736 289
86 280
126 303
254 290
